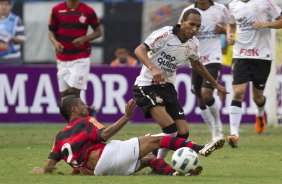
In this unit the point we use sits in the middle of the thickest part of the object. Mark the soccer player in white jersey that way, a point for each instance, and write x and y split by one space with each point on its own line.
252 20
214 19
162 52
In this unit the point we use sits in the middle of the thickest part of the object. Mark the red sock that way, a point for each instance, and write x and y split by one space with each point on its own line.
173 143
159 166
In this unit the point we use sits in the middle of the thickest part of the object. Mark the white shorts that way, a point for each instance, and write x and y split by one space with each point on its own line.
119 158
73 73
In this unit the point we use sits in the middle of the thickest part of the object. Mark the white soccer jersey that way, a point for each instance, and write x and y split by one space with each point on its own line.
251 43
210 42
167 53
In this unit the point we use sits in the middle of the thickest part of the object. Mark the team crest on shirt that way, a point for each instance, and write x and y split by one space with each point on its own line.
82 19
187 51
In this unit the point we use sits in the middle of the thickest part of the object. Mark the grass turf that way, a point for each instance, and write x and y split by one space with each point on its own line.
257 160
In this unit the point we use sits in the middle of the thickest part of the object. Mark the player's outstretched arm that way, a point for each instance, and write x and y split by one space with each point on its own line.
276 24
201 69
114 128
49 167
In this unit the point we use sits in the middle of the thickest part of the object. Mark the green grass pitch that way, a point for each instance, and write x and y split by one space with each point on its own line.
258 160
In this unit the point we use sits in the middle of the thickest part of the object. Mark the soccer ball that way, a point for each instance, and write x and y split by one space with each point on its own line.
185 159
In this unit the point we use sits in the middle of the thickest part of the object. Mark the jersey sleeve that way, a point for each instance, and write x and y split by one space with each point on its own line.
232 19
53 23
94 21
194 52
19 30
272 9
226 14
94 129
156 39
55 153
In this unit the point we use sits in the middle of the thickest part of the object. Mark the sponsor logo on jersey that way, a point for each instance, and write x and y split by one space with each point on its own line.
62 11
166 62
244 24
206 34
249 52
158 39
205 59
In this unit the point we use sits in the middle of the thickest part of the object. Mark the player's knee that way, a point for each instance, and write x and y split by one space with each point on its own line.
170 129
259 100
238 94
207 97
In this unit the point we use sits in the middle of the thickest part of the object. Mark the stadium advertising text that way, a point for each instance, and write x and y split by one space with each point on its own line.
30 94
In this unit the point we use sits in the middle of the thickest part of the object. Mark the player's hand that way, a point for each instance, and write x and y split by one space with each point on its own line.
221 92
59 48
158 77
220 29
37 170
231 38
79 41
259 25
130 108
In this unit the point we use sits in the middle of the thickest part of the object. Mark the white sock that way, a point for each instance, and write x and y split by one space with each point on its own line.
235 119
260 111
217 124
163 152
207 117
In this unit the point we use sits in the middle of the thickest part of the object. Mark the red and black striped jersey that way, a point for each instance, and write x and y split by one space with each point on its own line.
69 24
75 141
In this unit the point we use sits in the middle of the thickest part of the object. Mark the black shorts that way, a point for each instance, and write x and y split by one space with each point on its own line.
199 82
255 70
147 97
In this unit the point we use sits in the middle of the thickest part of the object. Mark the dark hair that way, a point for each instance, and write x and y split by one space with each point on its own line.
188 12
9 1
212 3
65 105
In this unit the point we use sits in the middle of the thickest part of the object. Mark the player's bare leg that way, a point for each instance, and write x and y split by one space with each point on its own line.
167 124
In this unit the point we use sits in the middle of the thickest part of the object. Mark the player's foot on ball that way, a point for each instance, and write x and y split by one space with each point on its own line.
211 146
260 124
232 141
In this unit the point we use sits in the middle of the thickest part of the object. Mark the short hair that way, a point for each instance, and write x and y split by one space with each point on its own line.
188 12
212 3
66 104
9 1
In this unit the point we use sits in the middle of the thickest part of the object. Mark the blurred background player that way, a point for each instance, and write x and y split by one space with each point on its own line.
162 52
11 34
123 58
81 144
251 56
214 19
68 25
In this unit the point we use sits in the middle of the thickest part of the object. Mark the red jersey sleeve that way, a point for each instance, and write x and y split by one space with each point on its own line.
94 21
53 23
94 129
55 153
